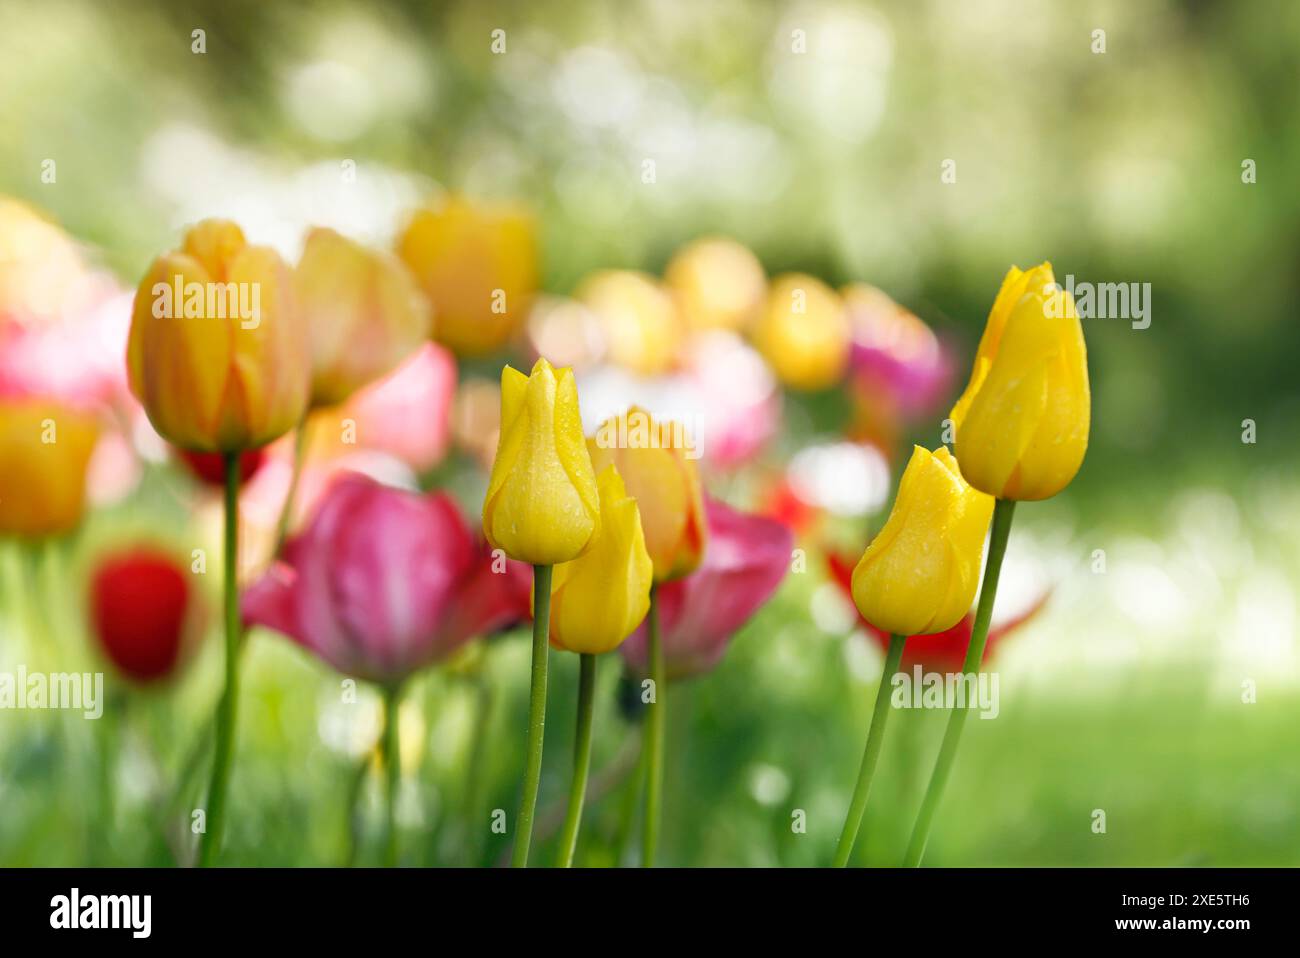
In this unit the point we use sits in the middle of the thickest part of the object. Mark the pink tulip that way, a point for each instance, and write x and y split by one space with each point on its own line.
407 413
745 560
383 582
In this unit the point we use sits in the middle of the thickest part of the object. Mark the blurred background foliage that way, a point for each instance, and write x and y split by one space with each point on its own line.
1125 695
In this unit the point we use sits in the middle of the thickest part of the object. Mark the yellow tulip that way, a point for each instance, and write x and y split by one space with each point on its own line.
40 264
44 451
1021 426
479 268
657 461
638 318
598 599
218 353
364 311
804 333
919 574
542 506
718 284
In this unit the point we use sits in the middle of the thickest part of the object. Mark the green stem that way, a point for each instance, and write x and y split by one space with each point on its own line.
226 712
286 510
581 760
392 771
1002 513
875 739
353 826
631 800
536 714
656 723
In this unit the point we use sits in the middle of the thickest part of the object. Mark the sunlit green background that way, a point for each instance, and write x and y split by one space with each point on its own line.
1124 166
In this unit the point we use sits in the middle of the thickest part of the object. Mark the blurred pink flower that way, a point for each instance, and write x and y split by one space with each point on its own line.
895 355
737 396
407 413
383 582
745 560
77 357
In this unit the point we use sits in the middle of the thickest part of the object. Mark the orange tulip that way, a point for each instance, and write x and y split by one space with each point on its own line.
364 310
45 448
478 266
218 353
656 461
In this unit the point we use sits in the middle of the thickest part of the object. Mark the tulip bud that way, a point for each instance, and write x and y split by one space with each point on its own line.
218 353
919 574
600 597
478 266
1021 426
364 310
718 284
804 333
140 606
45 449
655 460
639 320
542 506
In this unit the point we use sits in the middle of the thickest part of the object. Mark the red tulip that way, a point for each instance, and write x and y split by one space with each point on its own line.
210 469
940 651
140 603
744 561
384 581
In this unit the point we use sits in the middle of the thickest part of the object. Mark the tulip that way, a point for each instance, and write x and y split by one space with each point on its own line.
657 461
746 558
374 584
40 264
919 574
407 413
1021 426
899 369
141 606
45 449
737 395
596 601
218 353
1021 431
542 506
479 268
939 651
600 597
917 577
381 583
804 333
365 312
718 284
639 320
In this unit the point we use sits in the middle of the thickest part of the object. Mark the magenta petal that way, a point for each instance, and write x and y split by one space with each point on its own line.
745 560
371 583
